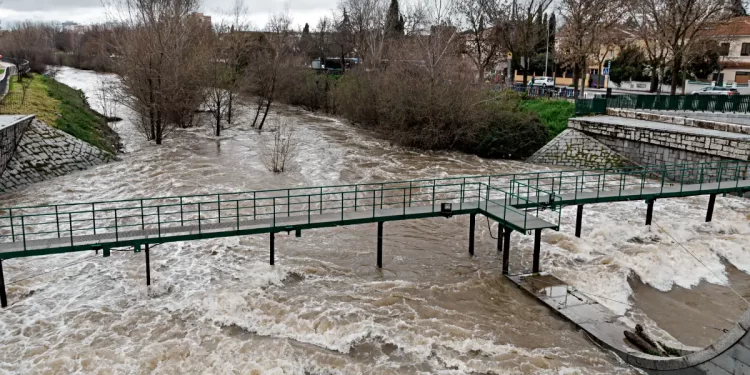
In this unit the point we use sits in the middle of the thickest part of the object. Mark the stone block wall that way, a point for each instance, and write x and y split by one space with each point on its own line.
45 152
680 120
575 149
10 136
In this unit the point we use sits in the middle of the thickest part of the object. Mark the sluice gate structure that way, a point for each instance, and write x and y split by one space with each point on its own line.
526 203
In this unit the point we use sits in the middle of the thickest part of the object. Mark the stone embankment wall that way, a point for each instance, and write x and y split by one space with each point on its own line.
44 152
634 138
573 148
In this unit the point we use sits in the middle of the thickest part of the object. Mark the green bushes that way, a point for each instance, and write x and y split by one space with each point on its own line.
554 114
412 107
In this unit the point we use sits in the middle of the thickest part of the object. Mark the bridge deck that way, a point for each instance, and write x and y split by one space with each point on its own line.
512 200
643 193
508 218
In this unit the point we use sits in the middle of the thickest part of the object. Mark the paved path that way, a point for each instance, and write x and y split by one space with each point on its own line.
660 126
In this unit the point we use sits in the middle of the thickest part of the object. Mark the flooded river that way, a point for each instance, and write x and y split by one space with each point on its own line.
217 307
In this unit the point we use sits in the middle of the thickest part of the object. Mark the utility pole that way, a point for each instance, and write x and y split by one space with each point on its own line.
546 55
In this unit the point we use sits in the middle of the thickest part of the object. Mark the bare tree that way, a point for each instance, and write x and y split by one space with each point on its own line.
583 33
483 44
162 62
518 26
269 58
279 148
677 24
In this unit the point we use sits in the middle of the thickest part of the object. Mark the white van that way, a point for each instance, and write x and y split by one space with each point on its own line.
543 82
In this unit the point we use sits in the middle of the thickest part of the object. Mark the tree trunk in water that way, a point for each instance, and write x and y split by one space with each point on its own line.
229 107
159 129
676 64
257 111
268 102
218 119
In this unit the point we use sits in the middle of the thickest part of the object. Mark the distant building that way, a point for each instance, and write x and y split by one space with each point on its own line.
733 37
202 18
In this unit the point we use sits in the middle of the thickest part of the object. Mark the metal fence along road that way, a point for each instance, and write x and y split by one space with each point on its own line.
704 103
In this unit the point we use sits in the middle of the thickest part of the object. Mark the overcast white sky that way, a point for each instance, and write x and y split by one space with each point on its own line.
92 11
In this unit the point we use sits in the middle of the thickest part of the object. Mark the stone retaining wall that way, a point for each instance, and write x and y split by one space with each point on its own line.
573 148
680 120
45 152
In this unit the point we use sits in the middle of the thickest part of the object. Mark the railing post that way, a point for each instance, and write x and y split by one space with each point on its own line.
199 217
237 213
158 220
309 208
253 205
23 233
342 206
12 228
649 211
93 216
218 206
433 195
182 221
409 193
579 220
373 203
143 223
356 190
117 238
273 203
57 220
403 204
70 227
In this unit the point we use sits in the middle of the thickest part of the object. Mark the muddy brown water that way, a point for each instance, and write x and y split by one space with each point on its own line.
217 307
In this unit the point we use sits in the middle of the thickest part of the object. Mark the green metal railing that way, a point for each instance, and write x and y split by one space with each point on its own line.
568 187
515 200
704 103
71 225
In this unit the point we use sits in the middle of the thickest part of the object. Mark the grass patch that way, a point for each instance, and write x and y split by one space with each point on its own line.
61 107
554 114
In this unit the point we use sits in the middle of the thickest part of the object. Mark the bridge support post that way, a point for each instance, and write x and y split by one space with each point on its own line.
506 250
537 250
380 244
3 296
273 235
710 212
148 266
579 220
472 222
649 211
500 232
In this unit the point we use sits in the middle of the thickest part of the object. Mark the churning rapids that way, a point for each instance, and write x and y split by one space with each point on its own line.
217 307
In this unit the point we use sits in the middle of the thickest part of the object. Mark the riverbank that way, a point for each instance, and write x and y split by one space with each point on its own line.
61 107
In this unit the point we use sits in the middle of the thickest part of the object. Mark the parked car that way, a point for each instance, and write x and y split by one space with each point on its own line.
543 82
713 90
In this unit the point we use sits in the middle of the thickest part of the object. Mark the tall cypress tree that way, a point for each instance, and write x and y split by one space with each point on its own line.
735 8
394 23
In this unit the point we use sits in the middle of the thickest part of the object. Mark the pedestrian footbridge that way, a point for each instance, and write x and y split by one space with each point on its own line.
525 203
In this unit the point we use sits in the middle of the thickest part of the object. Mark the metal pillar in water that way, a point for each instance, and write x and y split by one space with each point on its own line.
380 244
506 251
537 250
272 240
579 220
148 266
649 211
710 212
472 222
500 230
3 297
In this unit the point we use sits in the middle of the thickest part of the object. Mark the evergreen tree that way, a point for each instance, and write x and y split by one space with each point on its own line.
735 8
306 41
394 22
